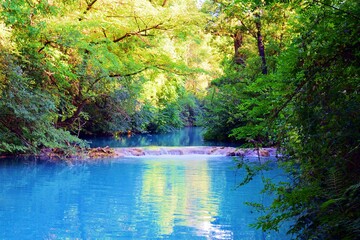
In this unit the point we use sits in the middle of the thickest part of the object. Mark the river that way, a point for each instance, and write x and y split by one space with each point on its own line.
188 136
152 197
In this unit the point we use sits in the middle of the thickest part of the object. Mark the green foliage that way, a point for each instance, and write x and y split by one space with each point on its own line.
235 107
220 110
110 114
307 104
289 77
27 117
102 70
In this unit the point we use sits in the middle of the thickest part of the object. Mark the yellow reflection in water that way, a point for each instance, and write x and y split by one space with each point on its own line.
179 193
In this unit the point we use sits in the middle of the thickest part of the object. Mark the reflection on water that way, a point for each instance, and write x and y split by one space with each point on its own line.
183 197
188 136
180 194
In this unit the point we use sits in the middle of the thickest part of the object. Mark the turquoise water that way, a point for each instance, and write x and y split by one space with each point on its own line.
172 197
188 136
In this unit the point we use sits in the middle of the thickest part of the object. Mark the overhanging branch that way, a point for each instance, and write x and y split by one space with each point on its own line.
45 44
163 68
116 75
157 26
89 6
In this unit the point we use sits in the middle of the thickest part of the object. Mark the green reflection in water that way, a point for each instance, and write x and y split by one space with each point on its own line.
179 194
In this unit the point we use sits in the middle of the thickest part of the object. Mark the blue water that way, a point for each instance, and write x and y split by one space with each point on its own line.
168 197
189 136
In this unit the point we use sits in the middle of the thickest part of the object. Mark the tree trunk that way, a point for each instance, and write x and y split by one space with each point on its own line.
260 44
238 42
69 121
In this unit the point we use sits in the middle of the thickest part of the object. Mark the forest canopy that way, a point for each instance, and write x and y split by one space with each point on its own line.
100 67
264 73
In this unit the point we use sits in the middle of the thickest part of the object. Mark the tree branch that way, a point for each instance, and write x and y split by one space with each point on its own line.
17 132
45 44
157 26
289 98
116 75
297 90
88 8
338 9
129 74
69 121
171 70
104 32
248 29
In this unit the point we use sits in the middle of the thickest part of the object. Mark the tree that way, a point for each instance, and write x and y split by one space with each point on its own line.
307 104
82 57
27 113
321 133
252 26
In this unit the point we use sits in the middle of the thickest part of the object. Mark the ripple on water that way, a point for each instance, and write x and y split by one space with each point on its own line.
187 197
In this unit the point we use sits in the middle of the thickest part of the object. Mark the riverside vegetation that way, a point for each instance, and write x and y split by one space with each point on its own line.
264 73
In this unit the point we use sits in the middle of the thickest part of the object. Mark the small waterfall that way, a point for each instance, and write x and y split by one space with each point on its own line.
201 150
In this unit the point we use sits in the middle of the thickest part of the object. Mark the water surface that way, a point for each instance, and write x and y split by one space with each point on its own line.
168 197
188 136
